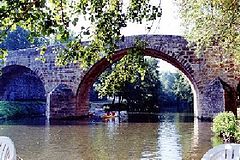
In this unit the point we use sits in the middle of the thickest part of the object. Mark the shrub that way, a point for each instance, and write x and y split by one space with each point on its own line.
237 136
225 125
18 109
216 140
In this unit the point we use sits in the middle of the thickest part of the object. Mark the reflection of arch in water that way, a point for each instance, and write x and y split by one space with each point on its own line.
102 65
201 138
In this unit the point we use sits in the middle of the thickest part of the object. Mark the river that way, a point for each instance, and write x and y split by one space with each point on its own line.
172 138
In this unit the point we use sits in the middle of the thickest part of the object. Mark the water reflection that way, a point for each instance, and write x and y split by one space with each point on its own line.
171 138
168 134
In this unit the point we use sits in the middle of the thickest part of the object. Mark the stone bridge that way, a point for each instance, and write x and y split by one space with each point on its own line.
213 78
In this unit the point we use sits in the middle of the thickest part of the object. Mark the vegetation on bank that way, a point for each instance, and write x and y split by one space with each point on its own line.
227 127
145 89
19 109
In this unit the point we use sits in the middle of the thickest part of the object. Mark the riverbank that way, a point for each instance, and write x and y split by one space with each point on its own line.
21 109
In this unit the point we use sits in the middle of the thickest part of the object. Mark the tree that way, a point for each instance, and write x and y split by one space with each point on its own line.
139 89
18 39
57 17
168 97
144 94
182 89
128 69
176 91
212 23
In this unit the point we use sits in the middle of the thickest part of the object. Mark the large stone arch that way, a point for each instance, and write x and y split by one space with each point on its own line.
172 49
20 83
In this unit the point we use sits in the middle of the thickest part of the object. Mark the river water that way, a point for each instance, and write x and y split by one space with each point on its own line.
172 138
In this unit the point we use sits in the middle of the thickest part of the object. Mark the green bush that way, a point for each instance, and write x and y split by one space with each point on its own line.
216 140
18 109
225 126
237 136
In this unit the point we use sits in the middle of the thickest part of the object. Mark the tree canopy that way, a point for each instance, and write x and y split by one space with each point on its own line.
212 23
182 88
150 90
18 39
207 23
140 90
100 20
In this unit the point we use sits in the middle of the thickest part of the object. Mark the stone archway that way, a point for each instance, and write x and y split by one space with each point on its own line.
61 102
99 67
21 84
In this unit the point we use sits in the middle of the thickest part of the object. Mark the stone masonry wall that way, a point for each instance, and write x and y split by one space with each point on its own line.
62 102
221 66
200 71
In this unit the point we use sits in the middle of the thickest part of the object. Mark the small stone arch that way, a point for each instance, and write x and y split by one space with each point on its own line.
21 83
27 58
61 102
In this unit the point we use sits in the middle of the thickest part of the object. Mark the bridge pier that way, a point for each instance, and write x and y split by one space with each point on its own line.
217 97
62 102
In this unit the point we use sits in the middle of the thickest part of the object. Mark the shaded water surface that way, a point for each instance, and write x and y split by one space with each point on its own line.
169 139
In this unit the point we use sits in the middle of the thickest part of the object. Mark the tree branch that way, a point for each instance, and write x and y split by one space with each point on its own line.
17 19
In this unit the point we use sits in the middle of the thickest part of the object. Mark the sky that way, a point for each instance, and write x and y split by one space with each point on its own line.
168 24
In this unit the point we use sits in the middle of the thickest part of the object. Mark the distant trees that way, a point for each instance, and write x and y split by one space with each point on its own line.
19 39
168 97
182 88
145 90
176 93
140 89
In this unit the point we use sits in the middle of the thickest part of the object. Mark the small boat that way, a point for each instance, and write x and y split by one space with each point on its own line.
109 115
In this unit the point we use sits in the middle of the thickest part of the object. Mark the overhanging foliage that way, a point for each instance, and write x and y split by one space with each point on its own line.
100 20
212 23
